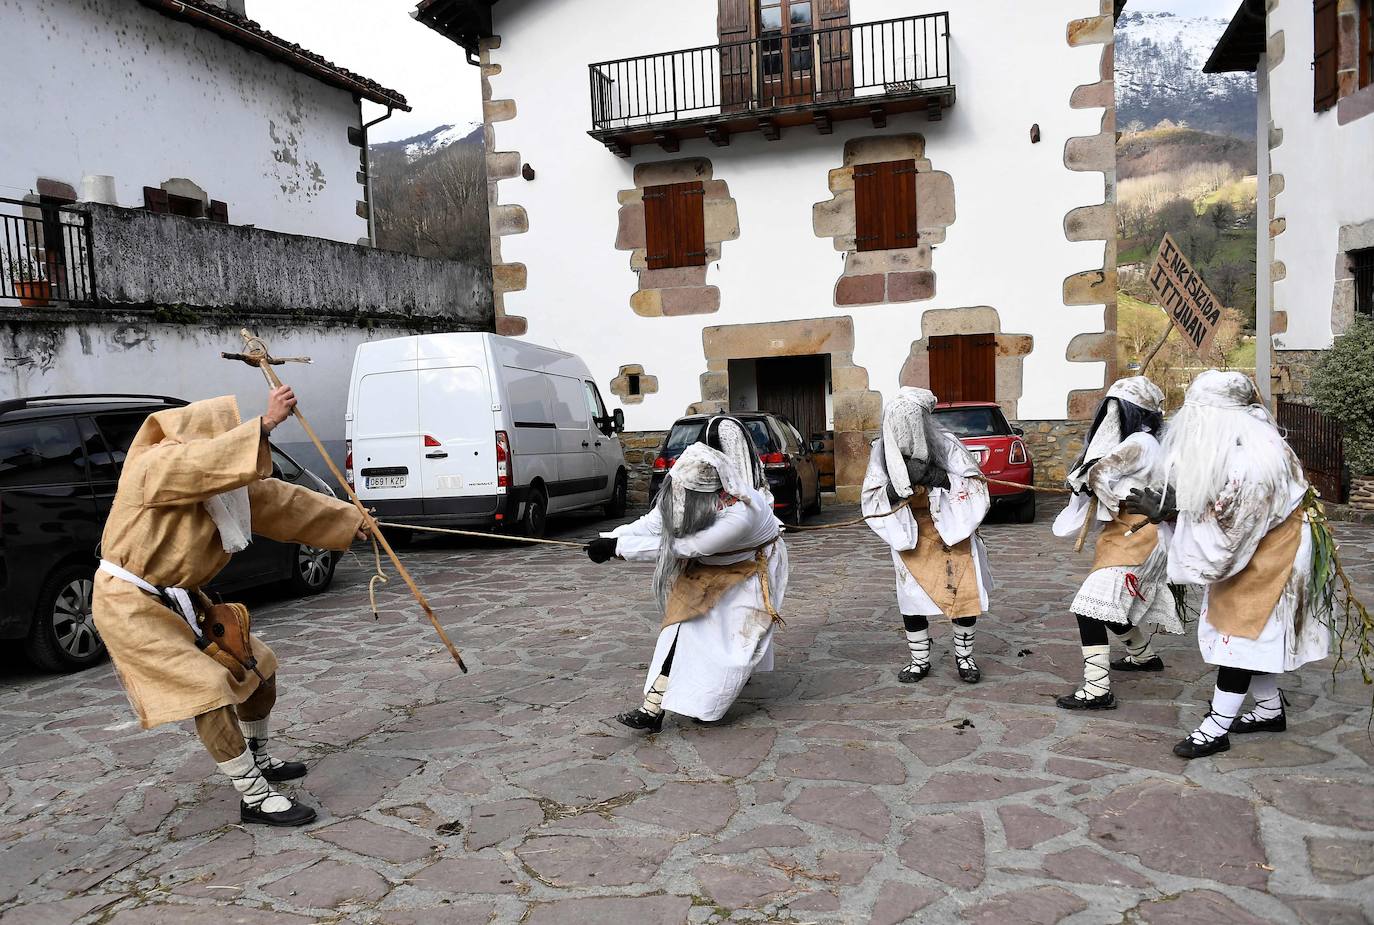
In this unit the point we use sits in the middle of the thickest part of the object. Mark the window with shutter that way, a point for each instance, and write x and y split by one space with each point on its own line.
885 205
155 199
1326 53
963 367
675 225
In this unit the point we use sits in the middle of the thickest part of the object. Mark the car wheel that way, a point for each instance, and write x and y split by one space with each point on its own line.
536 514
796 514
1025 511
615 508
63 636
313 571
815 507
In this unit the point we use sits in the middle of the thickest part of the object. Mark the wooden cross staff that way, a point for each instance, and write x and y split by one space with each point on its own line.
256 354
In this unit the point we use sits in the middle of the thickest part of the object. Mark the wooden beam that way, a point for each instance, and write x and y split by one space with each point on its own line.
719 135
879 116
935 111
770 129
667 141
822 120
617 147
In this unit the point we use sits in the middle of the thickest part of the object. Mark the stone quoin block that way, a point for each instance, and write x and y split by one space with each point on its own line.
672 278
860 290
698 300
647 303
910 287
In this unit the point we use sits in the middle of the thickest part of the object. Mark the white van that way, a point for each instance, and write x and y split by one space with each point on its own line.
464 429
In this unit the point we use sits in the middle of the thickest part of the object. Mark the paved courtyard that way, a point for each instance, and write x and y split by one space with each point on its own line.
830 793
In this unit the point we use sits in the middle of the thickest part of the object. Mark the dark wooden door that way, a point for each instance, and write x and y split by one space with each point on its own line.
787 55
794 387
963 367
734 28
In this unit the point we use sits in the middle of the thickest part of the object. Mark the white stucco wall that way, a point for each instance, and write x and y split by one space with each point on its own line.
112 87
1328 182
1012 66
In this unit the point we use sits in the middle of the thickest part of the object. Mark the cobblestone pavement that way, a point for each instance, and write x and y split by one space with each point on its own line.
830 794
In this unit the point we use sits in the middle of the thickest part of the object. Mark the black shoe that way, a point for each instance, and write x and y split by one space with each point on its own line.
1243 725
296 814
641 719
284 770
1105 701
1190 749
913 673
1153 663
968 670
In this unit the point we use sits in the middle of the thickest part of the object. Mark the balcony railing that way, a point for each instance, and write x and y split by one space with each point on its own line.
868 69
45 253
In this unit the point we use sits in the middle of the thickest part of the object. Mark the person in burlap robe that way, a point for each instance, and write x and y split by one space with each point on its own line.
1236 490
720 577
195 486
929 478
1127 591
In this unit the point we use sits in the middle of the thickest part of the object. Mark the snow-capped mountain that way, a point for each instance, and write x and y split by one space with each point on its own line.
1159 59
436 139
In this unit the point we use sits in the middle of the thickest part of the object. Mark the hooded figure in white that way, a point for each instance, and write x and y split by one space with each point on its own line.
930 480
1242 534
720 577
1127 591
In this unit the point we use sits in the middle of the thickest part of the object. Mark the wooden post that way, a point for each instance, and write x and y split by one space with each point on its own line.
1145 364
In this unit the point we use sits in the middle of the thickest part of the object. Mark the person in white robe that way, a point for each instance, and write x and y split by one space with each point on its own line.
1127 591
1237 492
720 577
924 496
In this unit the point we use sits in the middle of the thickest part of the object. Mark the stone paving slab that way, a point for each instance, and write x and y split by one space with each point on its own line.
830 793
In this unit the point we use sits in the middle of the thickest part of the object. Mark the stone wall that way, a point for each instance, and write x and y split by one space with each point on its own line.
1293 374
1053 445
1362 493
640 449
161 262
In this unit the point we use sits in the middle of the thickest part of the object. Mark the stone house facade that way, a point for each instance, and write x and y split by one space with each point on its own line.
801 206
1314 67
170 173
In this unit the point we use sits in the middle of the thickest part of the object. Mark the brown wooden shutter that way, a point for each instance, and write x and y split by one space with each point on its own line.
735 23
943 354
675 225
155 200
1326 56
836 51
980 367
1366 43
219 211
885 205
963 367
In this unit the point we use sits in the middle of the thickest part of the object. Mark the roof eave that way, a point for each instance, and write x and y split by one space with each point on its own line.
1243 42
463 22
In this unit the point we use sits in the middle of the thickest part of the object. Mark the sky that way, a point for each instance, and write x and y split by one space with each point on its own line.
1221 9
378 39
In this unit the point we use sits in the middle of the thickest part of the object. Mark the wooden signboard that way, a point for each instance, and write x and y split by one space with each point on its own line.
1180 291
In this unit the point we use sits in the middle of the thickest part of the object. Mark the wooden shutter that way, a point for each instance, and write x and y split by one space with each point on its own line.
836 49
219 211
735 23
1326 57
675 225
155 200
963 367
885 205
1366 43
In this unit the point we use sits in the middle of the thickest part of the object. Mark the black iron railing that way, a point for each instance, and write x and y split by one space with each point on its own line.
45 253
894 57
1318 440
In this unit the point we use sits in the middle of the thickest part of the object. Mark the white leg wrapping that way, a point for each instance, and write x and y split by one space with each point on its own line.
653 700
256 732
1097 678
1138 648
1268 700
243 772
918 644
1225 709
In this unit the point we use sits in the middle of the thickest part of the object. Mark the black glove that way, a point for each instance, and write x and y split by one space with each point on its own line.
926 472
1154 504
601 549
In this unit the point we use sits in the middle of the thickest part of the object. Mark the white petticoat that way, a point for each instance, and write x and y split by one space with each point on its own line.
1104 596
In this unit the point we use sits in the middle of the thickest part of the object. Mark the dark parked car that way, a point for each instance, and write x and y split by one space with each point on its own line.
788 460
1000 451
60 459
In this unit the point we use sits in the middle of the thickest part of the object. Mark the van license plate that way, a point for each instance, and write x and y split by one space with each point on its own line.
386 481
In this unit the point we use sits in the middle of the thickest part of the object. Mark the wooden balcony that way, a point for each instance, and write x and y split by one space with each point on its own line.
817 77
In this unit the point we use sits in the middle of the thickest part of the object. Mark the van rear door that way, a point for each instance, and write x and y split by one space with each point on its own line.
459 456
386 438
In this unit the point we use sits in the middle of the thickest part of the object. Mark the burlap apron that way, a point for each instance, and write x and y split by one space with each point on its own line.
700 587
945 573
1114 548
1242 604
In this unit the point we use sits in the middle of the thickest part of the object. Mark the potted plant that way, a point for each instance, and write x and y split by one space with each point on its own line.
29 281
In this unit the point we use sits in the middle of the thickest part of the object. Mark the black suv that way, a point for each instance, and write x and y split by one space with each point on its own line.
60 459
788 460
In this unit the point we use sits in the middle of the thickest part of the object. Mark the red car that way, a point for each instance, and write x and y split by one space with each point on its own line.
1001 452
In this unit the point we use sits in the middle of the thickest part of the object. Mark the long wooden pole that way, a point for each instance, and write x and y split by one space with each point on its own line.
263 362
1168 329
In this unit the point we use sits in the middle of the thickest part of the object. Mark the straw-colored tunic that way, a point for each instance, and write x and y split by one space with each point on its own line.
159 530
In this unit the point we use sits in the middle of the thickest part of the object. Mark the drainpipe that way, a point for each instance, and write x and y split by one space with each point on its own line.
367 171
